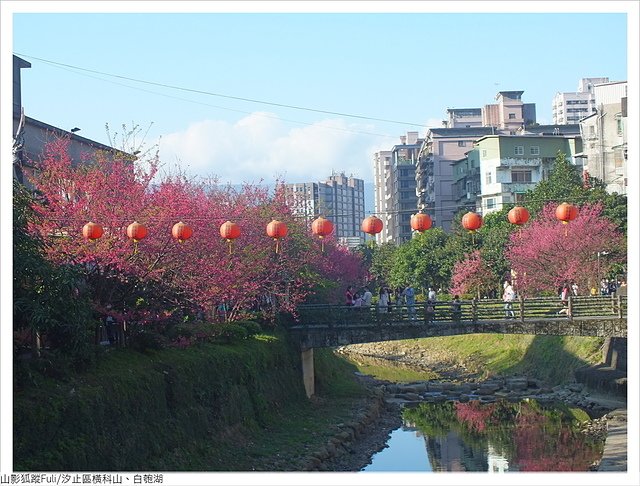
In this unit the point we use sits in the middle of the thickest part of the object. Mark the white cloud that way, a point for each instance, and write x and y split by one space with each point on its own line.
262 147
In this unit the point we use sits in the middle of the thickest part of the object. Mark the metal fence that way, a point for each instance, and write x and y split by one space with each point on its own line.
482 310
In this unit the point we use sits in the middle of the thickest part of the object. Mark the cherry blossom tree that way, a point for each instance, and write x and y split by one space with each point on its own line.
149 280
546 253
471 275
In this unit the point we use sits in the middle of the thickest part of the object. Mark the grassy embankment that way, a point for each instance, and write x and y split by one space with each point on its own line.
206 408
231 407
552 359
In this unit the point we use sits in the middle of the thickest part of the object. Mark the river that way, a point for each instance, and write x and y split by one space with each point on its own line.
494 437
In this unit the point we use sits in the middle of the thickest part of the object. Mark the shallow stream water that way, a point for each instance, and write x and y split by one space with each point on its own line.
492 437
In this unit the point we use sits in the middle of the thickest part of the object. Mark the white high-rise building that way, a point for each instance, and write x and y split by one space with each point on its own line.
569 108
339 198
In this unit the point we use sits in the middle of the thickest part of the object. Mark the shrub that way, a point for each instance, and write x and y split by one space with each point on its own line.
229 333
251 327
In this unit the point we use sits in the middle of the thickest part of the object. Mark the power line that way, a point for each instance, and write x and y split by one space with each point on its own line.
210 93
262 115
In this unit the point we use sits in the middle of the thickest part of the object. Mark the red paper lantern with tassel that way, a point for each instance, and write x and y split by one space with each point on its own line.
277 230
372 225
229 231
566 212
136 231
518 215
322 227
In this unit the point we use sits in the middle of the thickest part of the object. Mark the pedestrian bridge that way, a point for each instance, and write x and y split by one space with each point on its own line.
324 325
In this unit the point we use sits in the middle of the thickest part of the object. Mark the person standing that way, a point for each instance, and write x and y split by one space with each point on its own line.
383 300
456 308
564 298
366 297
432 295
410 298
508 296
348 296
574 289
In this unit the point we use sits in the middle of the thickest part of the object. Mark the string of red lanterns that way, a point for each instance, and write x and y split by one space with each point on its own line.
323 227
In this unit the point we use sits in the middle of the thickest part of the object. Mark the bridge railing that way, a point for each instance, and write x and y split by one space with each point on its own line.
583 307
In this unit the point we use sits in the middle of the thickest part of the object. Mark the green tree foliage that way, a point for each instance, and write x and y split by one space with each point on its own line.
48 300
382 261
563 184
424 261
494 235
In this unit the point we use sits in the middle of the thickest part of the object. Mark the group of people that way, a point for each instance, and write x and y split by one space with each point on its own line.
358 299
390 299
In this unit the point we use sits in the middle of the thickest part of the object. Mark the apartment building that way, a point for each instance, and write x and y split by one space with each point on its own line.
446 182
509 113
510 165
438 155
395 188
338 198
604 134
570 107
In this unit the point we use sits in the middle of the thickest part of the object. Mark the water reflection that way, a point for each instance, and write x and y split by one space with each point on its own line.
494 437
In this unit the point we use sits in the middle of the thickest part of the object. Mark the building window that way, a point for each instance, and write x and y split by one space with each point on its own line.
491 203
488 177
535 150
462 143
520 176
619 126
512 116
519 150
518 197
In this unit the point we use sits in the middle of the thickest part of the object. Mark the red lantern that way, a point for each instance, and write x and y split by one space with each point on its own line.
471 221
518 215
420 222
229 231
566 212
277 230
372 225
92 231
136 231
321 227
181 232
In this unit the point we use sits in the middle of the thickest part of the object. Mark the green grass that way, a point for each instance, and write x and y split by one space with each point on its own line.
206 408
552 359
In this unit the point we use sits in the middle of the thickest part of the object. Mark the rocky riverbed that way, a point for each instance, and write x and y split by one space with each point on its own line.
355 443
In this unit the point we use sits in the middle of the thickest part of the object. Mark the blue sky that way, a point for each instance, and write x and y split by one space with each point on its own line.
406 67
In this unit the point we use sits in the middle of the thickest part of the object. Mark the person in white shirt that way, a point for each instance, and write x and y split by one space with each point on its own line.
431 295
508 297
366 298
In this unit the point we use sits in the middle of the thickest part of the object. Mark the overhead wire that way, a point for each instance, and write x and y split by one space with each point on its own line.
221 95
258 114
